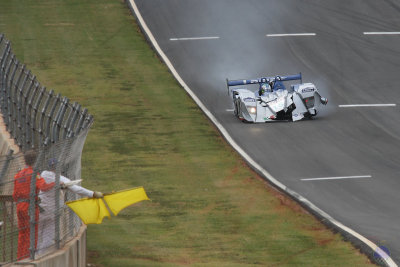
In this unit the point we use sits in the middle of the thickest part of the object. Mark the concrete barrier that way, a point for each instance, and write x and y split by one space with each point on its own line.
73 254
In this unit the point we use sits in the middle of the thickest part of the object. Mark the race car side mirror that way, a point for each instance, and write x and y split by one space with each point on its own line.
324 100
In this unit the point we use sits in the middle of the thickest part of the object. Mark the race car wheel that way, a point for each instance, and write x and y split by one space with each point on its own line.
235 111
237 108
308 115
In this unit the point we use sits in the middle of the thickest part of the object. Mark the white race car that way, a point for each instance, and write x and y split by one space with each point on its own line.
273 101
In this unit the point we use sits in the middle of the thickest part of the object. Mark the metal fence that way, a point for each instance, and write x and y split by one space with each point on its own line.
50 130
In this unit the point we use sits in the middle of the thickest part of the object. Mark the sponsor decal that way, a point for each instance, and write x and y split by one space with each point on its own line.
272 117
249 99
307 90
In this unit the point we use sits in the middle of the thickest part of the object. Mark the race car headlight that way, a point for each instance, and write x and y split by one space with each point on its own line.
252 110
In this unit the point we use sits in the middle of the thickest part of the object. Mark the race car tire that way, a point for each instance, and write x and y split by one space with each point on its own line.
236 109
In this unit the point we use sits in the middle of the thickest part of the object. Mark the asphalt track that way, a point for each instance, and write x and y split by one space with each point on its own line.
349 49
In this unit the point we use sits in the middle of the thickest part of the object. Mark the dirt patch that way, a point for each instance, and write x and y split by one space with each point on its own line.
248 181
228 178
284 200
324 242
91 254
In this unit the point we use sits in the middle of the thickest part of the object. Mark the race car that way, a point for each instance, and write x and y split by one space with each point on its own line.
273 101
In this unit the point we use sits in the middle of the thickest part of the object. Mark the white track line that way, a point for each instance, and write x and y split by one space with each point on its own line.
337 178
381 33
290 34
250 161
366 105
194 38
230 110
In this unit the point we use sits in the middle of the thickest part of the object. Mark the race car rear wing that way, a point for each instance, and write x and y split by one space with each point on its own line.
264 80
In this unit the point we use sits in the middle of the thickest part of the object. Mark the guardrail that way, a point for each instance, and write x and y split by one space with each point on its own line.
47 125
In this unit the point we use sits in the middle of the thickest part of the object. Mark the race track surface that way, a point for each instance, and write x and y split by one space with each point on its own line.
349 49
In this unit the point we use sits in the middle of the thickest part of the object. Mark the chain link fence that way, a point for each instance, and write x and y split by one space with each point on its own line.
36 180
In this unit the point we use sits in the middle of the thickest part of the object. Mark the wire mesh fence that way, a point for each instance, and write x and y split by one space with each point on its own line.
37 180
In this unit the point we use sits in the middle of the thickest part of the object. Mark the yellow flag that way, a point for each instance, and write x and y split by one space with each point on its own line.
90 210
122 199
93 210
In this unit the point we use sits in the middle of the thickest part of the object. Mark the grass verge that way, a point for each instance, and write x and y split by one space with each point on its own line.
208 208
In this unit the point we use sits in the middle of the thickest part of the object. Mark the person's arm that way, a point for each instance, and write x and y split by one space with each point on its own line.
80 190
42 185
85 192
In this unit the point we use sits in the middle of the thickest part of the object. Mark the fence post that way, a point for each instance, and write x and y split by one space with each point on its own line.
69 120
42 134
12 105
51 116
20 105
3 66
24 117
59 118
7 100
3 61
88 121
32 203
70 133
28 128
80 122
33 116
57 194
57 210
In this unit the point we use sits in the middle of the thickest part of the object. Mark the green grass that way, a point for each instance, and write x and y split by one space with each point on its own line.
207 207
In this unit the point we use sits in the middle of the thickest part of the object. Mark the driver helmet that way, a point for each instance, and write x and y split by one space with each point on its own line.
265 87
52 163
